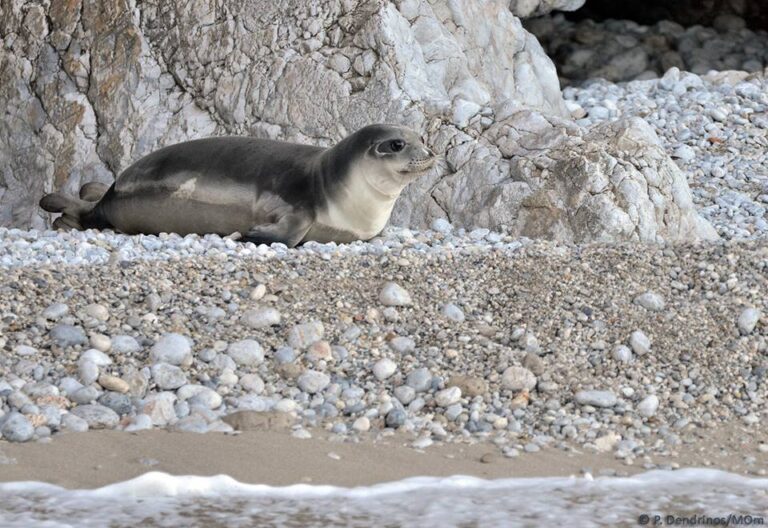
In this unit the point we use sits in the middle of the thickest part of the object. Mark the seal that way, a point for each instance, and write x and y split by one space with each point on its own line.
269 191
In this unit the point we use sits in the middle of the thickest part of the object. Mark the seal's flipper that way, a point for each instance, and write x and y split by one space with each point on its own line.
93 191
289 230
72 209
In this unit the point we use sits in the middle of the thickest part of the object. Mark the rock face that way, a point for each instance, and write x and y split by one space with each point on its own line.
90 86
529 8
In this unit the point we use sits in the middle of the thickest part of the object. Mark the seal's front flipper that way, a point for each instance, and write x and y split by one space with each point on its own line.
289 230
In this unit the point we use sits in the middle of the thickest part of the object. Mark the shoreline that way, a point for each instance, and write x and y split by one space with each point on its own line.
275 458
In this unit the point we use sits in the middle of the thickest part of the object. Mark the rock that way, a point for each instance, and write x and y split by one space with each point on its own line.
252 383
639 342
534 363
518 378
622 354
97 311
100 342
650 301
648 406
313 382
254 421
284 355
159 408
55 311
470 386
447 397
394 295
607 442
88 372
405 394
402 345
168 376
113 383
395 418
97 357
453 313
247 352
16 428
73 423
97 416
319 351
24 350
362 424
748 320
120 403
261 318
125 345
596 398
84 395
441 225
66 335
303 335
173 349
384 368
419 379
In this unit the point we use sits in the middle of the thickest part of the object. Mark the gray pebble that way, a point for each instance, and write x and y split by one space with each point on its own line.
596 398
125 345
97 416
650 301
639 342
261 318
171 348
518 379
303 335
73 423
66 335
748 320
16 428
453 313
419 379
168 376
55 311
393 294
405 394
247 352
648 406
402 345
313 382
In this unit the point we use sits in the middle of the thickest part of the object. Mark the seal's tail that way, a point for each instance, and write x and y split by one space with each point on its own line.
72 210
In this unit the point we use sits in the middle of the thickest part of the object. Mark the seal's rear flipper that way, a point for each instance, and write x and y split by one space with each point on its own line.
72 210
288 230
93 191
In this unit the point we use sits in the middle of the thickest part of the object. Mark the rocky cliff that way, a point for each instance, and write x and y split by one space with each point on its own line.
91 85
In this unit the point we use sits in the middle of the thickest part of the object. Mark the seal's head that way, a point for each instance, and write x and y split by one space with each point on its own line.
390 157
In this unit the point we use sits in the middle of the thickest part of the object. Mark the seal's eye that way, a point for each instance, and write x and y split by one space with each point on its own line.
390 147
396 145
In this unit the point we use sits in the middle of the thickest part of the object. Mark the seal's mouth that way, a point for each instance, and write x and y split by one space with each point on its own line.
419 165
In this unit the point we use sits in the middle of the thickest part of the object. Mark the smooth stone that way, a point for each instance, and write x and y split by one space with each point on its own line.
252 383
419 379
66 335
73 423
303 335
639 342
97 357
470 386
120 403
313 382
748 320
140 422
17 428
648 406
125 345
88 372
113 383
84 395
622 354
650 301
447 397
596 398
362 424
173 349
247 352
97 416
384 368
284 355
518 379
395 418
402 345
167 376
24 350
453 313
261 318
405 394
55 311
97 311
393 294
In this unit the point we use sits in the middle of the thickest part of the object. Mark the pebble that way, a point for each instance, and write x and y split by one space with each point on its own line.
648 406
16 428
125 345
67 335
171 348
303 335
393 294
97 357
395 418
419 380
650 301
168 376
113 383
518 378
97 311
402 345
261 318
453 313
73 423
97 416
384 368
622 354
247 352
313 382
447 397
362 424
88 372
748 320
24 350
55 311
639 342
596 398
405 394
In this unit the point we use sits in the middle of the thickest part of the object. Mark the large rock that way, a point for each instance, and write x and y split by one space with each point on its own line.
530 8
90 86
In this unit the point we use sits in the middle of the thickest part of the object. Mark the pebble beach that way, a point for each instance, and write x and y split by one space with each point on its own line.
465 345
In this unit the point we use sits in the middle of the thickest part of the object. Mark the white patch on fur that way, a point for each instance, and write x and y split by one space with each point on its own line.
186 190
363 203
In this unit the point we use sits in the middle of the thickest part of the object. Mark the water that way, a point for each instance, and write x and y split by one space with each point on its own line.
159 500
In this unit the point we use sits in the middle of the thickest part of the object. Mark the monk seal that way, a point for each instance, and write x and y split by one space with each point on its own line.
269 191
